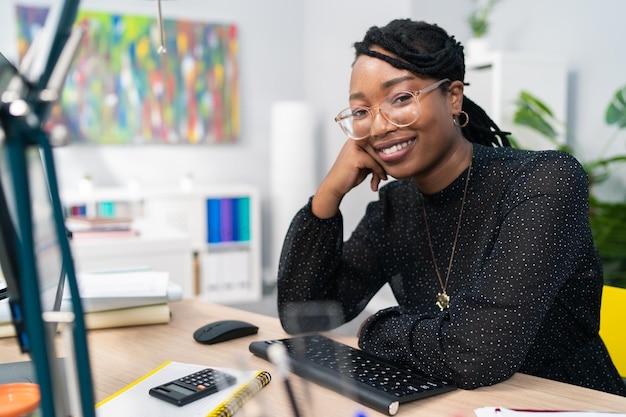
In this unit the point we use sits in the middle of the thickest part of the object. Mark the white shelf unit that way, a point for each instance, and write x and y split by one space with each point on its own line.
497 79
228 270
225 270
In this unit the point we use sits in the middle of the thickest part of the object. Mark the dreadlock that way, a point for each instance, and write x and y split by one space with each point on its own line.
426 49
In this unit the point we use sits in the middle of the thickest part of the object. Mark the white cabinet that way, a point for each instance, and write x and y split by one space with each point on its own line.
497 79
221 225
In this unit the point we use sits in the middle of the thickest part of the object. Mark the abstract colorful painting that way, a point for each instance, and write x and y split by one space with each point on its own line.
122 91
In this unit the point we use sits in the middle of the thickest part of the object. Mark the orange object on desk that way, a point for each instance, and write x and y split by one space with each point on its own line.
18 399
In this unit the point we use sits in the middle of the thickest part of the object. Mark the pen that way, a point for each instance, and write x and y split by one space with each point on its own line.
278 356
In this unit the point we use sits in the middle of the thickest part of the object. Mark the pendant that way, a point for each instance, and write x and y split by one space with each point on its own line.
443 301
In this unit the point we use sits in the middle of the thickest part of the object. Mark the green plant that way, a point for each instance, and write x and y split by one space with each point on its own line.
616 112
479 18
608 219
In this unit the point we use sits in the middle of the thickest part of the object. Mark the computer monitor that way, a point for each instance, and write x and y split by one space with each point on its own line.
50 274
21 371
35 258
31 199
50 271
8 222
7 71
7 254
44 69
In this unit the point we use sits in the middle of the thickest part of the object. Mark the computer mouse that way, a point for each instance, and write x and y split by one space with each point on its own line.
223 330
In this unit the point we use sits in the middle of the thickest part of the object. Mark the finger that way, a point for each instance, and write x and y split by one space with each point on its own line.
374 182
382 174
375 167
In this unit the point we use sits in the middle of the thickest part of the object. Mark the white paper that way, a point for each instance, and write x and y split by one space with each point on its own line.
107 291
5 311
507 412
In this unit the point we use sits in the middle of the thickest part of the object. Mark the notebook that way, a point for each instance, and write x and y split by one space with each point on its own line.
135 400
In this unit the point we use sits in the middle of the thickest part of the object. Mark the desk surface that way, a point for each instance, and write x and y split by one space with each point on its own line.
119 356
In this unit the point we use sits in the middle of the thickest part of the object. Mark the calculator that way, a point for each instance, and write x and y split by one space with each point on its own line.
193 386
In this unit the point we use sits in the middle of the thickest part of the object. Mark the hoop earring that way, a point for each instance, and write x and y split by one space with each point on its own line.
455 119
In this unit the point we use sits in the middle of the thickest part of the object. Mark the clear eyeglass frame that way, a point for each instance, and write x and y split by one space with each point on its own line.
397 109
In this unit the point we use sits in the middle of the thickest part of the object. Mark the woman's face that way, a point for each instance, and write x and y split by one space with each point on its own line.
420 148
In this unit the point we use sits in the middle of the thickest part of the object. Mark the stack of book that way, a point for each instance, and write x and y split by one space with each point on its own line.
122 298
116 299
99 227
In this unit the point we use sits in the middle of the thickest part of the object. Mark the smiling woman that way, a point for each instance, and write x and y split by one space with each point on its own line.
487 249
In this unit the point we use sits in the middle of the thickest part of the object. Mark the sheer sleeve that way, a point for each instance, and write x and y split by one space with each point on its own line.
322 282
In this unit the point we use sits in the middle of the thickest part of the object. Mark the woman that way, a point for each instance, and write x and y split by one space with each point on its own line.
487 249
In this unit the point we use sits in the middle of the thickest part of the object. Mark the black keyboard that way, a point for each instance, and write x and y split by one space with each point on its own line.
354 373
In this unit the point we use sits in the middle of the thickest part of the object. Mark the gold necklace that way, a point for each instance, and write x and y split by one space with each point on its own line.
443 299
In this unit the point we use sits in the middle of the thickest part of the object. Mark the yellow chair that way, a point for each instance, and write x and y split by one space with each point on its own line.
612 325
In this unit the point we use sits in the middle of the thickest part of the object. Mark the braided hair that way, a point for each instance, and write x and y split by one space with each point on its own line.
426 49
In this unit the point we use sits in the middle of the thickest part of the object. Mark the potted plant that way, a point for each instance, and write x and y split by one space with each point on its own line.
608 219
478 20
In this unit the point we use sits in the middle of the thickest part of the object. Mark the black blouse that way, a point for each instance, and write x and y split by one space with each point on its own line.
525 285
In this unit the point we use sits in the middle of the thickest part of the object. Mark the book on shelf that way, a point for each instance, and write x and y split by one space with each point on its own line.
228 219
84 223
83 235
134 400
83 227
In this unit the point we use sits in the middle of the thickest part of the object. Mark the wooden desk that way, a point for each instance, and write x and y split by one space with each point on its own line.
119 356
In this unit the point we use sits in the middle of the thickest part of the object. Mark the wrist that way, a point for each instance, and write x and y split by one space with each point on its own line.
325 203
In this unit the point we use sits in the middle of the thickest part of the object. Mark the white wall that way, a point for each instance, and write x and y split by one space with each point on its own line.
302 50
588 34
332 27
270 58
271 61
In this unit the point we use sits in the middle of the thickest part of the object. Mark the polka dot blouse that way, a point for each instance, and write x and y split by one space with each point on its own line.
524 288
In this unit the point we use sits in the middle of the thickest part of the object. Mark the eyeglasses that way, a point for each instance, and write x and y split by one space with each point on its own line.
400 109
